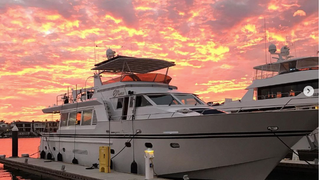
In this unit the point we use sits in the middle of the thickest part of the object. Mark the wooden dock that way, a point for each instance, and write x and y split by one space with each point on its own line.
52 170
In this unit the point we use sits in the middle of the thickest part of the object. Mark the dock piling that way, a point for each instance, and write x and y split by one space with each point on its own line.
15 131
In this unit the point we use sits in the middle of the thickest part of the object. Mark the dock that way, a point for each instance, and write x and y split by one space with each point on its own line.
53 170
299 165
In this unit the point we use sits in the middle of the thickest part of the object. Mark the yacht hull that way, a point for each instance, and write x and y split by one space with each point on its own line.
226 146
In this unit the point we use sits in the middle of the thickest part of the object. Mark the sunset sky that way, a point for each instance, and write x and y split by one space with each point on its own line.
47 46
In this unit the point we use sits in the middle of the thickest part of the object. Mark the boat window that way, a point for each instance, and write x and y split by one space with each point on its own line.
163 99
188 99
86 118
78 118
308 64
94 118
72 119
63 119
285 90
119 103
142 101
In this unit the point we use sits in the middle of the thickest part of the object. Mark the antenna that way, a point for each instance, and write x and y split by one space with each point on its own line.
94 50
284 52
265 40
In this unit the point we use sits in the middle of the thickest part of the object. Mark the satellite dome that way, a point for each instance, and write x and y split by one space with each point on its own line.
110 53
272 48
285 51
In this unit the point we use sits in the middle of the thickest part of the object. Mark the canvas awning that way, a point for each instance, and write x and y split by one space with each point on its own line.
132 64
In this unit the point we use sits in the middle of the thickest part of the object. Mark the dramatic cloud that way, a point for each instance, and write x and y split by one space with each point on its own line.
47 46
299 13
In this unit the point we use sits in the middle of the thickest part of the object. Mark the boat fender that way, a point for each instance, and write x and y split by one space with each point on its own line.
59 157
75 161
43 154
134 167
49 156
128 144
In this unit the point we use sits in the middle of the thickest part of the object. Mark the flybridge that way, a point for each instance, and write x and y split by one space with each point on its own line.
297 63
285 64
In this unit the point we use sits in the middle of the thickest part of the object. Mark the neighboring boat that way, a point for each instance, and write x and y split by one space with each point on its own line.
280 86
140 110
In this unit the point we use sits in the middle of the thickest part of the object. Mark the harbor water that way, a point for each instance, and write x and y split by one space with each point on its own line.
26 146
30 146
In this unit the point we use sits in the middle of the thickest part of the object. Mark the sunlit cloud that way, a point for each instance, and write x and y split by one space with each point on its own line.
299 13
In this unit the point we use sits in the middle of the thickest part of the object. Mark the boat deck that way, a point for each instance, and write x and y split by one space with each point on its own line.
52 170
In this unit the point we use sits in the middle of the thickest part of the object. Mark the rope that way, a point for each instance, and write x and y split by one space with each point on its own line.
290 148
124 146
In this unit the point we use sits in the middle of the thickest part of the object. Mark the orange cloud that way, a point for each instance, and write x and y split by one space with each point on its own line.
299 13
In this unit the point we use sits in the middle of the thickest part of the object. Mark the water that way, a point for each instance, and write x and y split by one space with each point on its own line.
26 146
30 146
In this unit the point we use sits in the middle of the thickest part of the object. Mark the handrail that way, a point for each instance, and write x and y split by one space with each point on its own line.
149 115
297 98
269 106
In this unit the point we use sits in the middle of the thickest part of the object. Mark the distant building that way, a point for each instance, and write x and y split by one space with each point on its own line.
36 126
51 126
3 125
23 126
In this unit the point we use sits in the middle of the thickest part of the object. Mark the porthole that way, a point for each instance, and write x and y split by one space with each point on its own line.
175 145
45 147
148 145
54 148
63 149
112 151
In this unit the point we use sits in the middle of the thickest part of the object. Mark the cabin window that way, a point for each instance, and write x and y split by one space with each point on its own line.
94 118
119 103
163 99
285 90
292 66
142 101
78 118
188 99
86 118
74 118
63 119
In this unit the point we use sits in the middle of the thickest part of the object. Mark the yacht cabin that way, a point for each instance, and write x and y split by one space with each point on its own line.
285 78
133 92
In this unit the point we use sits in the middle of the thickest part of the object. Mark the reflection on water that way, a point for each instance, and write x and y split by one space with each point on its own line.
25 146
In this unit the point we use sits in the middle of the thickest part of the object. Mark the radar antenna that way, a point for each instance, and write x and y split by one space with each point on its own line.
284 52
110 53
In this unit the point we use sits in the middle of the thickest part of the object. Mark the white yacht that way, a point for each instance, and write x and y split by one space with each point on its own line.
140 110
288 83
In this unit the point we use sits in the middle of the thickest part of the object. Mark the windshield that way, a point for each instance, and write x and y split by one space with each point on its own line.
163 99
188 99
